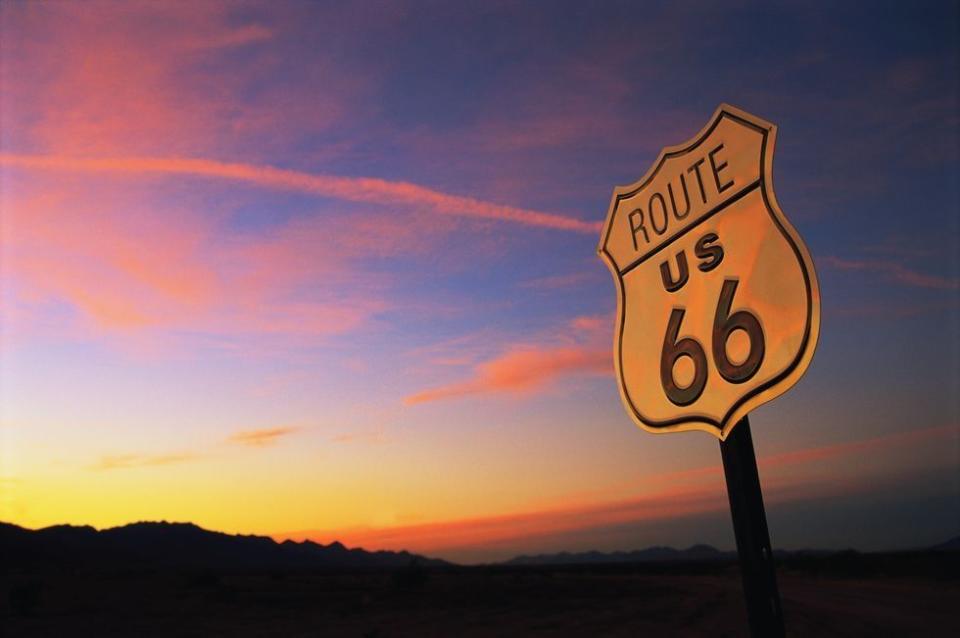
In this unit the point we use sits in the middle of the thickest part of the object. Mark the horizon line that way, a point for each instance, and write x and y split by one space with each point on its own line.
719 550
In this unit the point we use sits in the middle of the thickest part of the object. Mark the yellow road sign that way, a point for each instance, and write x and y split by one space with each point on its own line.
718 302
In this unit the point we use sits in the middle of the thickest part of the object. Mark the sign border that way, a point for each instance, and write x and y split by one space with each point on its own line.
785 380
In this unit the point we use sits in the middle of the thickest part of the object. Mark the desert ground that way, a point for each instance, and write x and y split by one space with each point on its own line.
859 597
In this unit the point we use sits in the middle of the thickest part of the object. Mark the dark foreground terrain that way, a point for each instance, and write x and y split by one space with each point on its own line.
840 595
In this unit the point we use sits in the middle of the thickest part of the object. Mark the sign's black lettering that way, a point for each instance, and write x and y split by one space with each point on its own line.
636 225
710 252
707 250
696 168
724 325
686 199
672 351
717 168
669 283
658 228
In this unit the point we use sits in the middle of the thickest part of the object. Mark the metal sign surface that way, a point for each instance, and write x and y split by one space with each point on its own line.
719 306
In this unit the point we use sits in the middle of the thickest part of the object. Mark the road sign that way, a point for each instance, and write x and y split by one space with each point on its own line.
719 307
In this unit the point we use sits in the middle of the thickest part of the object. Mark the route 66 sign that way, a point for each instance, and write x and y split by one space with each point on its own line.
719 307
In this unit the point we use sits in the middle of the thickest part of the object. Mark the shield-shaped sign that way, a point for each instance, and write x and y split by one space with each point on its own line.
719 307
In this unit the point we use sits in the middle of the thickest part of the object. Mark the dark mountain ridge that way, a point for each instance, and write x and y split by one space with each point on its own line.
952 545
702 553
163 544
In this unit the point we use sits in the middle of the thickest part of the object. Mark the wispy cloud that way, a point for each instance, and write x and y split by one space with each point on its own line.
574 347
128 461
593 326
228 37
894 271
85 247
462 350
554 282
900 247
853 448
262 437
521 370
893 311
374 436
823 453
253 438
149 78
353 189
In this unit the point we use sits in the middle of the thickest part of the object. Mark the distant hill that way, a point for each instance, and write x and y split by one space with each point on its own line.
697 553
952 545
700 553
162 544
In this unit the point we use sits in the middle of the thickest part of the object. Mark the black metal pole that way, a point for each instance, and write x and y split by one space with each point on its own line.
750 529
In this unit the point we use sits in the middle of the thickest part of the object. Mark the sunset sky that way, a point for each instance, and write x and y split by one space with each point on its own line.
329 271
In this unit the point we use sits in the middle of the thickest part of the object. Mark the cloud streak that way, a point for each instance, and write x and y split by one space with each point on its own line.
262 437
894 271
522 370
576 348
824 452
557 282
129 266
129 461
353 189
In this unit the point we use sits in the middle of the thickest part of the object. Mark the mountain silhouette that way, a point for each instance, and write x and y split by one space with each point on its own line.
696 554
700 553
163 544
952 545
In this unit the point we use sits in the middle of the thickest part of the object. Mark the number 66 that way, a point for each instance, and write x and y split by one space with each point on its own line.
723 326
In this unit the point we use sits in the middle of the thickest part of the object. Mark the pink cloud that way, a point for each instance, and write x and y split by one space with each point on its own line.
148 81
354 189
153 78
522 369
125 267
575 347
593 327
113 257
127 258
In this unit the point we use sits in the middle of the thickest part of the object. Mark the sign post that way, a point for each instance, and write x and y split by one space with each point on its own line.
718 311
750 528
